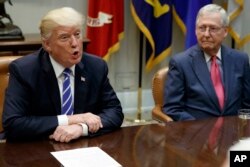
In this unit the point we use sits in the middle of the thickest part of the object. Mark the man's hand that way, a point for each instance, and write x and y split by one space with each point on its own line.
67 133
93 121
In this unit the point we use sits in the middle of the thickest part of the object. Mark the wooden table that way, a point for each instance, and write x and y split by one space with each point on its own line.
31 43
176 144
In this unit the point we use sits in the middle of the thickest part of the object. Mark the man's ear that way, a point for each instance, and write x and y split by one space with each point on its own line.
46 45
226 29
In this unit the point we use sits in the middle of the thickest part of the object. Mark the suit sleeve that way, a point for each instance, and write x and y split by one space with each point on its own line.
174 93
17 121
111 111
246 84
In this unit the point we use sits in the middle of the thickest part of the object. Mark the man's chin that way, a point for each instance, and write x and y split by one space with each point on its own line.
207 47
75 61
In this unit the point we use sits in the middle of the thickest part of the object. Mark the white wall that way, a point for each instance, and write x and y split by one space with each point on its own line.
27 13
123 65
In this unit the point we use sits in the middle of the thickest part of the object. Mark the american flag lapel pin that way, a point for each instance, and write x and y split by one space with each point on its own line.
83 79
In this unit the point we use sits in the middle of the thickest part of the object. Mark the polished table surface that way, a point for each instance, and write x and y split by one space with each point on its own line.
176 144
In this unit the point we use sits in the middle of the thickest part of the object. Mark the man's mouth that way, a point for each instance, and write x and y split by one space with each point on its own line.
75 53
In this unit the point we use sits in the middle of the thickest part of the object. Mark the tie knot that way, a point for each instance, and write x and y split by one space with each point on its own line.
67 72
213 58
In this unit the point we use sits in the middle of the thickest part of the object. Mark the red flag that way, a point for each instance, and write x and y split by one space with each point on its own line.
105 26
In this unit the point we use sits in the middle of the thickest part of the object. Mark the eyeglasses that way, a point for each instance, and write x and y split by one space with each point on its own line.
210 29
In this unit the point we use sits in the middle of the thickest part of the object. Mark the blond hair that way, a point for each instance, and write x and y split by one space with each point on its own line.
65 16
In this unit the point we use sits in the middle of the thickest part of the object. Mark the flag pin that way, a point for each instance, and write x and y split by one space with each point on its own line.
83 79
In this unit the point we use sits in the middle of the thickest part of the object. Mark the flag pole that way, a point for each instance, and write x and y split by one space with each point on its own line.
139 93
139 96
138 118
233 43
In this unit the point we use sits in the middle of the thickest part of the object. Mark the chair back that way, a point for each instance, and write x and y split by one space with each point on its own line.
4 80
158 95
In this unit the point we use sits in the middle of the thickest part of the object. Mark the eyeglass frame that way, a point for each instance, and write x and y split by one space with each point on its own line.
212 29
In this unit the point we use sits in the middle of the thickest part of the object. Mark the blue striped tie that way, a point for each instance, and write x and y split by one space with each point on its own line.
67 102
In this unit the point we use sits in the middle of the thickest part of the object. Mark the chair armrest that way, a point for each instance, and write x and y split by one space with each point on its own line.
158 115
2 137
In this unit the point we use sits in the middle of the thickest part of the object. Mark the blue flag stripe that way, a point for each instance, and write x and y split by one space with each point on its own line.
185 13
155 21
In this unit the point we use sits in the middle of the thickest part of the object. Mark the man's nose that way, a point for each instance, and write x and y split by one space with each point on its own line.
73 40
207 31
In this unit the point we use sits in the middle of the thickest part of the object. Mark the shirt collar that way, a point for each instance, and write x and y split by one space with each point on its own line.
58 68
208 57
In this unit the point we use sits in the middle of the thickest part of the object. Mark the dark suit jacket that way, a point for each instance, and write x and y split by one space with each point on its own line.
32 99
189 93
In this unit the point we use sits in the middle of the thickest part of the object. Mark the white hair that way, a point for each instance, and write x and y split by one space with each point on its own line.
213 8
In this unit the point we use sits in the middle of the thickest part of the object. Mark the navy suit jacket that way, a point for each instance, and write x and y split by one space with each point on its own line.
32 98
189 93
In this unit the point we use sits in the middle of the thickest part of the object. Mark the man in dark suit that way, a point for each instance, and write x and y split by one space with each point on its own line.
34 98
190 91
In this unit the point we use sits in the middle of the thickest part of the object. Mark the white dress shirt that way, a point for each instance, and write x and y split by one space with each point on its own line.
58 69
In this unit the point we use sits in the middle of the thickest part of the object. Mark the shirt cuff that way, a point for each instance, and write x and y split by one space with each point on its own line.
84 129
62 120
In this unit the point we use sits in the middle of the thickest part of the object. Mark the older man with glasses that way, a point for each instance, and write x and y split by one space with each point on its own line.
209 79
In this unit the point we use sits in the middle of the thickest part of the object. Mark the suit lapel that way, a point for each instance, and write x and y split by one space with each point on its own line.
81 81
203 75
227 67
51 83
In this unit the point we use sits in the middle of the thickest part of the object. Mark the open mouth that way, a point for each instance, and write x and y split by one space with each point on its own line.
75 53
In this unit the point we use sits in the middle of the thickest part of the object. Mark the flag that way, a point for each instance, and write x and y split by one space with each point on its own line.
184 13
239 29
154 19
105 26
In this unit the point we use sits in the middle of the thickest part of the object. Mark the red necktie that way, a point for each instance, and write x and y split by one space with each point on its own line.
217 82
215 133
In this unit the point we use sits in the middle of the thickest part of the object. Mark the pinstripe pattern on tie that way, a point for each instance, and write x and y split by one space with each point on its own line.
67 100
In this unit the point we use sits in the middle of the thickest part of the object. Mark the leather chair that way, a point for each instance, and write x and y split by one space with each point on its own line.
4 79
158 95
